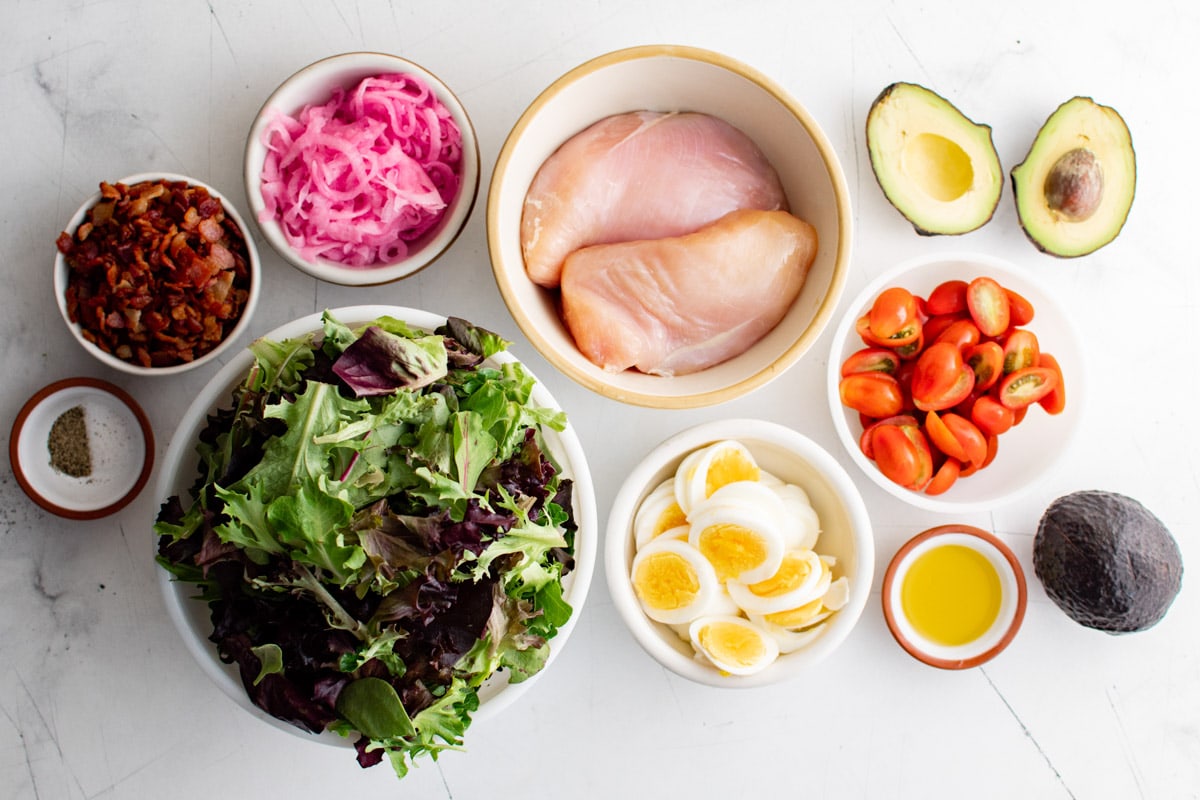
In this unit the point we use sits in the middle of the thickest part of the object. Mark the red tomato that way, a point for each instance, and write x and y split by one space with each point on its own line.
935 325
1025 386
912 349
991 416
1020 350
962 333
944 478
902 454
871 359
866 439
941 437
973 442
893 312
875 394
1056 400
1020 310
941 379
949 297
988 305
986 359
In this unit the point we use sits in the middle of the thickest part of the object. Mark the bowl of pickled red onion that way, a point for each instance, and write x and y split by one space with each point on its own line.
361 168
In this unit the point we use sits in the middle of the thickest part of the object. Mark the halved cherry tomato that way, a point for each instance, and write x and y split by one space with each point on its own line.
988 305
871 359
973 442
986 359
935 325
909 334
948 297
1020 310
1019 415
913 349
875 394
941 437
1020 350
892 312
991 416
1025 386
866 439
993 446
1055 401
962 333
941 379
902 454
944 478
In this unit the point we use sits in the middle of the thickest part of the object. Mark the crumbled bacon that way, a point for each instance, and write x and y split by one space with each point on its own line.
158 274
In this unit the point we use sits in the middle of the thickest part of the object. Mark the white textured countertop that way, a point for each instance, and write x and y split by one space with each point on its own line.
99 698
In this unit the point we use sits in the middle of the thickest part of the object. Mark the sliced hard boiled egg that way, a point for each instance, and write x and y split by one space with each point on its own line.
733 644
790 641
658 513
706 470
803 527
742 542
837 595
673 581
801 578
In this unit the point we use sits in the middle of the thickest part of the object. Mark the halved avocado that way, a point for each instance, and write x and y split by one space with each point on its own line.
938 168
1075 187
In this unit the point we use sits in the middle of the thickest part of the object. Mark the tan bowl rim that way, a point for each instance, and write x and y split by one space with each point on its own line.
330 271
87 513
912 648
841 259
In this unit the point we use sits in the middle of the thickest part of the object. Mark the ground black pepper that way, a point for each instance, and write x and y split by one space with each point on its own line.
68 444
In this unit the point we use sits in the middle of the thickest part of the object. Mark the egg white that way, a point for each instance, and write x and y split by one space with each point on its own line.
708 652
814 585
708 593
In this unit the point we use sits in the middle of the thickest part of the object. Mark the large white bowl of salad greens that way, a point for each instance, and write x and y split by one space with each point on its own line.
378 527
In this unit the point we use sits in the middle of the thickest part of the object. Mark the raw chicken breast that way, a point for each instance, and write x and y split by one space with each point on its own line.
641 175
677 305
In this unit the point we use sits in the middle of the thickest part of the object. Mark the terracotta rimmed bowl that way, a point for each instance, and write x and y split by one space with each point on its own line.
61 278
120 444
1028 452
995 638
190 615
314 85
846 533
674 78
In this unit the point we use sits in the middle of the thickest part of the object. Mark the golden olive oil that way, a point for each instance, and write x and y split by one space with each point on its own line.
951 594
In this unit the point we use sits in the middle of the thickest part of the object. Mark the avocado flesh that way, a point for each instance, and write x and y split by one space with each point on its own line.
937 167
1106 561
1080 124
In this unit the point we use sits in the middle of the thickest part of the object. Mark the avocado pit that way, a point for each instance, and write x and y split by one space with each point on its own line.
1075 184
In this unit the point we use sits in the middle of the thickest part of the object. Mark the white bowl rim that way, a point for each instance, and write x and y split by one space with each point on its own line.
431 249
495 695
619 545
945 503
253 264
841 260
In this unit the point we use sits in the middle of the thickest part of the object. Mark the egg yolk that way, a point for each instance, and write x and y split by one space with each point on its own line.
666 581
791 573
672 517
735 645
729 466
731 549
796 617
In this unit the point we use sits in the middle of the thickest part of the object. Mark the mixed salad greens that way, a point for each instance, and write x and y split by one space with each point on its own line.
377 527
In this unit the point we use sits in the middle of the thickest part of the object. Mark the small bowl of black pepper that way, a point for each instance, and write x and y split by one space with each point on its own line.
81 448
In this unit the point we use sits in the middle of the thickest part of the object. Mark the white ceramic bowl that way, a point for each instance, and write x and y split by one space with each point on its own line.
845 533
1027 452
667 78
990 643
190 616
61 277
314 85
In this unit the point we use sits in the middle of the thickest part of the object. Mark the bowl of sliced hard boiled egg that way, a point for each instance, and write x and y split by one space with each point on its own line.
739 553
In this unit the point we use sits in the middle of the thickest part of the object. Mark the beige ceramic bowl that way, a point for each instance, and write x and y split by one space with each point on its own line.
62 277
845 533
314 85
666 78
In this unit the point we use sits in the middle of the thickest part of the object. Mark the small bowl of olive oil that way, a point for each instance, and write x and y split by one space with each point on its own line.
954 596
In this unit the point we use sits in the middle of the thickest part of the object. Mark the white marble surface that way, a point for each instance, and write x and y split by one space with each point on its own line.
100 700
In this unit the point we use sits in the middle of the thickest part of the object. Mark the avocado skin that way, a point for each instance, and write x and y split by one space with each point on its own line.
1106 561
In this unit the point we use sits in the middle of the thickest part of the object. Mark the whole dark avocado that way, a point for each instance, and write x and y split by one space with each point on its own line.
1106 561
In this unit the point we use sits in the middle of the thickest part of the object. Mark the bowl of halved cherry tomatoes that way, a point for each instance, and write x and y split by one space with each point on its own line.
955 381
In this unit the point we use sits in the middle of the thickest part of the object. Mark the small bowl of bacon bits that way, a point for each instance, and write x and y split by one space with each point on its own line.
361 168
155 274
956 381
